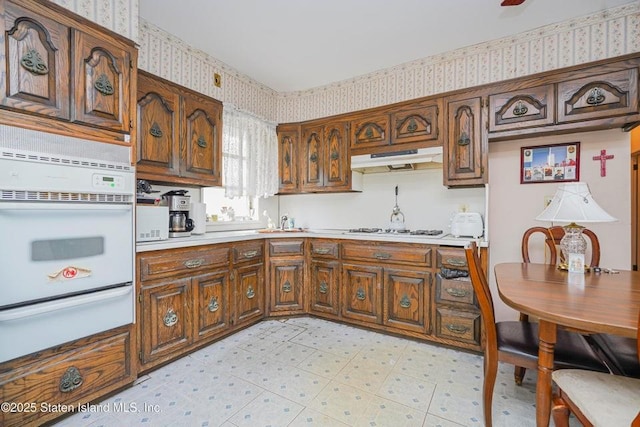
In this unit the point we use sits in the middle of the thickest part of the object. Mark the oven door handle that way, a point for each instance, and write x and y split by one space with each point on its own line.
46 307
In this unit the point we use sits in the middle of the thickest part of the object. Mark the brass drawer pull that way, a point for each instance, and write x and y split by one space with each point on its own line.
71 380
213 305
456 261
321 251
170 318
286 287
324 288
382 255
457 329
458 293
249 254
194 263
250 292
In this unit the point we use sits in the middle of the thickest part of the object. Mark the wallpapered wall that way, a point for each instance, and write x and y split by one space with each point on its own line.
603 35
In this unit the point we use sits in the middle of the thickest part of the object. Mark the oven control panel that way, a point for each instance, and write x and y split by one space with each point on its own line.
113 182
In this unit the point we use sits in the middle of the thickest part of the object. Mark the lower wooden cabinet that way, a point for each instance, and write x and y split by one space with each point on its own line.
248 291
286 279
407 299
361 293
72 374
211 309
324 283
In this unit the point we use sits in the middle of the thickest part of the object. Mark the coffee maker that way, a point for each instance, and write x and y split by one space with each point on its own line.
180 225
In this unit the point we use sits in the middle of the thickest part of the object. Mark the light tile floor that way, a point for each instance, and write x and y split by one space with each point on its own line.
311 372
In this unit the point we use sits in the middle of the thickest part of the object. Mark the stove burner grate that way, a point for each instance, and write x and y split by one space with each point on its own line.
426 232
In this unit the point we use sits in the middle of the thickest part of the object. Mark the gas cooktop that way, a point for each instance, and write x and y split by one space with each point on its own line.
427 233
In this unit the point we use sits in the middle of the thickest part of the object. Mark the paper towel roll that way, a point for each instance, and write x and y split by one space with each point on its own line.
198 213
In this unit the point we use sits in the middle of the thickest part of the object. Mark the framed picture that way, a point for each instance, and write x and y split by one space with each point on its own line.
550 163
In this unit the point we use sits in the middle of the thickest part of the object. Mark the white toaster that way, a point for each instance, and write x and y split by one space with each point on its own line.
467 224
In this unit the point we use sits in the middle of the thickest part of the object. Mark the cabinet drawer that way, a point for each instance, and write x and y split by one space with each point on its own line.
175 262
251 251
286 247
453 258
458 325
455 290
324 249
66 377
406 254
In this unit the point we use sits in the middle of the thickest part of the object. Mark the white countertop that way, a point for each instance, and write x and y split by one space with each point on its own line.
236 236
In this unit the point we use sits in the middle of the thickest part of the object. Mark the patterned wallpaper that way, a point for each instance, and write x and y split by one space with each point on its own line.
603 35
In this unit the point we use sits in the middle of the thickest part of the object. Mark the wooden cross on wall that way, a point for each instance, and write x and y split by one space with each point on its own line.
603 157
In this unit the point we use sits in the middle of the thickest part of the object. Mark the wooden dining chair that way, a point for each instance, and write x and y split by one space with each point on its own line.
516 342
597 399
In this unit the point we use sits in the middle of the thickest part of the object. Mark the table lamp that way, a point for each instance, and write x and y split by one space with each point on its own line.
573 203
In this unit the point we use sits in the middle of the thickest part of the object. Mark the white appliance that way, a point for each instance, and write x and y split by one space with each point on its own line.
66 221
421 158
152 223
467 224
198 213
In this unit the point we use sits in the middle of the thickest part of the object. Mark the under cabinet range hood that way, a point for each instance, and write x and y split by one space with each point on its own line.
421 158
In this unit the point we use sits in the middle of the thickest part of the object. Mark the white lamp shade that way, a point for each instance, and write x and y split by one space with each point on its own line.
573 203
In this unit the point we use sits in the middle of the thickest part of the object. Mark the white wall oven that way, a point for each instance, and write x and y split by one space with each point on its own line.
66 239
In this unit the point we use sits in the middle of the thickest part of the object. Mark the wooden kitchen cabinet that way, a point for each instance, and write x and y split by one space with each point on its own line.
325 164
465 149
179 134
65 74
286 276
370 130
212 308
523 108
288 158
598 96
324 278
248 282
362 293
417 123
407 299
70 374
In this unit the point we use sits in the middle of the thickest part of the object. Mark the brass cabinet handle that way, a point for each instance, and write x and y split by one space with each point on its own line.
249 254
458 293
456 261
194 263
170 318
321 251
213 305
250 292
457 329
324 288
360 294
405 302
382 255
286 287
71 380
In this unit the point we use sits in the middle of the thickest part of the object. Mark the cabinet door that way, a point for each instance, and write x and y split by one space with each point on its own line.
324 287
465 149
249 293
102 83
286 281
361 297
416 124
166 322
158 128
312 158
288 156
36 63
370 131
336 160
601 96
522 108
211 303
407 299
202 134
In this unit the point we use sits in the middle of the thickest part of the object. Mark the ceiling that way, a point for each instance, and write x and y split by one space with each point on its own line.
293 45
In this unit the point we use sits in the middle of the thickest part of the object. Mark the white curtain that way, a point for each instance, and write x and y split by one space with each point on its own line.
249 155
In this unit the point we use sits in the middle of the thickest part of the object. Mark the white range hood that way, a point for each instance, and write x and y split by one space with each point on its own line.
421 158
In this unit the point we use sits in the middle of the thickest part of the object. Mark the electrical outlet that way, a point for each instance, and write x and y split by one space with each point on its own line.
547 200
463 207
217 80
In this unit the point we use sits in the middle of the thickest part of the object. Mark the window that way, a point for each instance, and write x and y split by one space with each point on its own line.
222 209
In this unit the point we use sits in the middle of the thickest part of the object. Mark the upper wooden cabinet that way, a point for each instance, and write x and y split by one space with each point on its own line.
179 134
465 148
392 129
522 108
60 66
325 163
288 158
599 96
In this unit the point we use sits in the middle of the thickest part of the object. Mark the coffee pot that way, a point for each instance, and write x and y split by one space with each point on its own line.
180 225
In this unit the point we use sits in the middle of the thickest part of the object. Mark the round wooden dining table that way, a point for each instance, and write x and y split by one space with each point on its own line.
591 302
